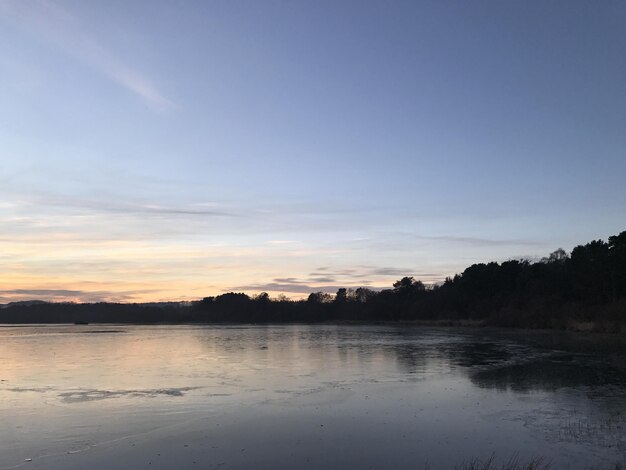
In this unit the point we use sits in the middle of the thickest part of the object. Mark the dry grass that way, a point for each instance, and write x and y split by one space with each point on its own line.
514 463
538 463
609 431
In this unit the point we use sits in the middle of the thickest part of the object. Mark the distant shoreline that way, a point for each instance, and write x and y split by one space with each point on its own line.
583 291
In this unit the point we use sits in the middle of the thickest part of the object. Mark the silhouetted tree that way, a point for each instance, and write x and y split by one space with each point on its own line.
589 284
617 262
341 296
319 298
557 256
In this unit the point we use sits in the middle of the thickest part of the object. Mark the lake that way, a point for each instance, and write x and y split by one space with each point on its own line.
307 396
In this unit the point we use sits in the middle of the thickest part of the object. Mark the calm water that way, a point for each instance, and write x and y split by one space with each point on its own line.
306 397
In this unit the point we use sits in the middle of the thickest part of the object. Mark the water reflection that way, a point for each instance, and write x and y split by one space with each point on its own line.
74 357
401 395
551 373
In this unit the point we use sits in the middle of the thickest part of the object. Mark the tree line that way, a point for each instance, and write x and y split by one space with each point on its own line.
563 290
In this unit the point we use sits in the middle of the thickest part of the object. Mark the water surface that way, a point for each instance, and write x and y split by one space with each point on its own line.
306 396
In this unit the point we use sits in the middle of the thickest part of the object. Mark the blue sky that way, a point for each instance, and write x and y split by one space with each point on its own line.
156 150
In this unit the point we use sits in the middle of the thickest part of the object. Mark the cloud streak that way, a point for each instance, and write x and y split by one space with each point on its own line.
61 27
327 274
304 286
130 208
292 288
477 241
66 295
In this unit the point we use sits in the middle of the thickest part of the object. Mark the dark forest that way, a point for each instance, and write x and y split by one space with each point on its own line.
581 290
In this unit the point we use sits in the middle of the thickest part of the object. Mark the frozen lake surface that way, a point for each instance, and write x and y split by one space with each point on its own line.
300 396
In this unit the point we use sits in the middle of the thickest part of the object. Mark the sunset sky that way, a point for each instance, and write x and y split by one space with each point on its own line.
161 150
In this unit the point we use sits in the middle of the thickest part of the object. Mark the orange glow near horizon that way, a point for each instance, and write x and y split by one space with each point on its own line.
67 269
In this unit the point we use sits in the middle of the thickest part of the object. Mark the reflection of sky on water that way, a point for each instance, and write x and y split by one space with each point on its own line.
402 395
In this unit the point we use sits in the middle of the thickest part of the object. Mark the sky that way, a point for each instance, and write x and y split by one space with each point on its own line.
171 150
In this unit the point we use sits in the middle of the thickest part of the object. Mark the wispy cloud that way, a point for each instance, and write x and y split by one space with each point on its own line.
65 295
323 279
40 292
106 206
61 27
478 241
306 285
387 271
377 273
293 288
